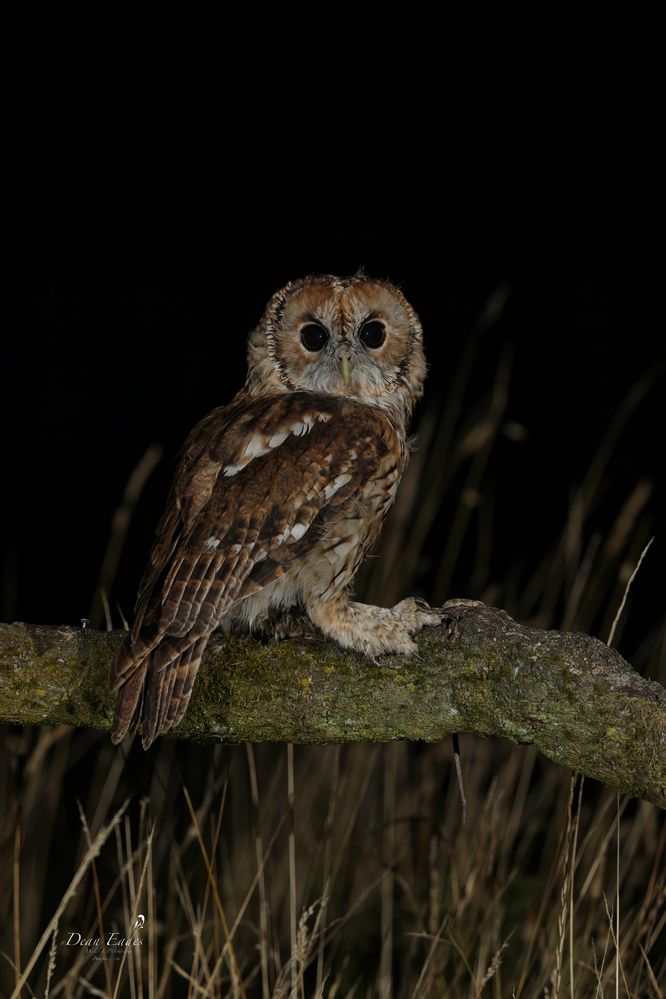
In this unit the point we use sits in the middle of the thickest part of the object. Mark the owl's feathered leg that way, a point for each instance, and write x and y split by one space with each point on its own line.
373 630
293 623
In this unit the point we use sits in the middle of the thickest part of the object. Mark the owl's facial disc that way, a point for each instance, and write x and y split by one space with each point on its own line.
353 337
348 341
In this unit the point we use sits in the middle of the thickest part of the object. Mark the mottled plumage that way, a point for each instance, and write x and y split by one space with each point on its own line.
279 495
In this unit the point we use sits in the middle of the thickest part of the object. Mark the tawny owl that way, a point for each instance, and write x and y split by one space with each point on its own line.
280 494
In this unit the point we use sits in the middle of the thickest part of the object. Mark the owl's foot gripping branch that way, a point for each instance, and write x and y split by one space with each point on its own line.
479 672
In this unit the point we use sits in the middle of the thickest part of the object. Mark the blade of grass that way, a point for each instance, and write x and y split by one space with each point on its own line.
572 879
17 902
385 983
292 869
259 851
135 907
98 898
92 852
233 963
119 527
332 799
617 617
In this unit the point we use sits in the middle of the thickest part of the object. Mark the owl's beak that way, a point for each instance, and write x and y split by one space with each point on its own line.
345 369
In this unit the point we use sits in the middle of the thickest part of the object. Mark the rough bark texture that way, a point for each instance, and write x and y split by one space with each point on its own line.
571 696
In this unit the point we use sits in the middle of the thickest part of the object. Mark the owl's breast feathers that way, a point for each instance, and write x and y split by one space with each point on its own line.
260 485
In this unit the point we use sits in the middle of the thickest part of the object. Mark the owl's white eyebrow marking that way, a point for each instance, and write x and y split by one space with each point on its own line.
259 444
213 542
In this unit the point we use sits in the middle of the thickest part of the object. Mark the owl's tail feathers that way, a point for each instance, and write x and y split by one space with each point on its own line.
155 690
128 676
170 681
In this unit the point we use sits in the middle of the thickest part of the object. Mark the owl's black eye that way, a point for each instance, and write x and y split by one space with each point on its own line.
313 336
373 334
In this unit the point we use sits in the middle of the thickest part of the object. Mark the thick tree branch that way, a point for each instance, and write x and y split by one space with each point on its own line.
571 696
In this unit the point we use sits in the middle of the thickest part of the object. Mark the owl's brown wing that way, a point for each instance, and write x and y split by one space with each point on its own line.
251 496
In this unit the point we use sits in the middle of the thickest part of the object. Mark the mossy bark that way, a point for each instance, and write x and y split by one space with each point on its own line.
571 696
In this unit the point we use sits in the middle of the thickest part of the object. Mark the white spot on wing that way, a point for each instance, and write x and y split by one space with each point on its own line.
297 531
301 428
213 542
259 445
335 485
256 446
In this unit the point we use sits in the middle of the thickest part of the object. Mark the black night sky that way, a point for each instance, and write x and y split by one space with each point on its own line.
164 184
166 172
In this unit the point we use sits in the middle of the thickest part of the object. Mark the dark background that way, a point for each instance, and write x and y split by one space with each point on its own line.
166 173
166 178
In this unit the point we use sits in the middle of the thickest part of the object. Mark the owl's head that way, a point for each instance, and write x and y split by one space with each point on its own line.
353 337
